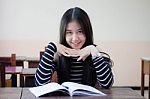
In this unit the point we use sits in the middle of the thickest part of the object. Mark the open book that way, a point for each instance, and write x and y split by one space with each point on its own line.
69 88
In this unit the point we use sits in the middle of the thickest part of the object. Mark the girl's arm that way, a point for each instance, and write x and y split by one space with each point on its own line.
103 67
103 71
46 66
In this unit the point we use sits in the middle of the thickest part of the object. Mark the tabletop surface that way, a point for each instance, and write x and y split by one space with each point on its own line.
24 58
29 71
113 93
10 93
146 58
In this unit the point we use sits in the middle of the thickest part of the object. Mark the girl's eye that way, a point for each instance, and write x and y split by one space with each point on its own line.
68 32
80 32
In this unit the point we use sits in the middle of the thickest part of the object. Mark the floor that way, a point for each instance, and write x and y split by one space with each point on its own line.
145 93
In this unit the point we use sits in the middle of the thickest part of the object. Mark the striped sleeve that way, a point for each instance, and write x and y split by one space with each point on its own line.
46 66
103 72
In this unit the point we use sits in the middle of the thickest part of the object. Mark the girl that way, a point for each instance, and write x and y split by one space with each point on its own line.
75 57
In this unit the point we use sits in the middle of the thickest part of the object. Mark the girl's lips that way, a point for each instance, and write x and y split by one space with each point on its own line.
76 44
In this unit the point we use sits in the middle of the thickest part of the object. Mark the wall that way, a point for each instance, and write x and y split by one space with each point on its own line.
121 28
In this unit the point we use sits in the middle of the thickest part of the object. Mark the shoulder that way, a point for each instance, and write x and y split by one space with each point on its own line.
51 46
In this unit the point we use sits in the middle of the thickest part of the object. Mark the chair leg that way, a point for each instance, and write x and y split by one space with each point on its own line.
142 85
14 80
142 78
2 68
149 88
21 80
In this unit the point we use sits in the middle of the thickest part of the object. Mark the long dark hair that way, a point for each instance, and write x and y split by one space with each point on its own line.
80 16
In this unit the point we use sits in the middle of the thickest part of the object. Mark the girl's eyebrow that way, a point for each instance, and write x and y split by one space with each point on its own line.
71 30
68 30
80 29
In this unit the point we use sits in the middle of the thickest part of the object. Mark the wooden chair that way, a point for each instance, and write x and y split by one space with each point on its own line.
27 76
145 70
8 66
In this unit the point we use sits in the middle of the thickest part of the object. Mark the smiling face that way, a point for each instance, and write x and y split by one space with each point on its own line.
75 37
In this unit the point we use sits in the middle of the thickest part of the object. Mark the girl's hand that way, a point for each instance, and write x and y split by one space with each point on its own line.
86 51
63 50
82 53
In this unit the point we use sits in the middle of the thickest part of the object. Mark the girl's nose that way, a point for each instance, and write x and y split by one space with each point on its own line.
74 37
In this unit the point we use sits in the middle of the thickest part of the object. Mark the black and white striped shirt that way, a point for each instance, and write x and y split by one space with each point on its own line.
46 68
76 70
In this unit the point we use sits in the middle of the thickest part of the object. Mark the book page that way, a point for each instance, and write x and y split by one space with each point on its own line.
80 88
44 89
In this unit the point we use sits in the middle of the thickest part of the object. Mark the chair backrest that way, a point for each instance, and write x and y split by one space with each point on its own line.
6 61
41 53
11 61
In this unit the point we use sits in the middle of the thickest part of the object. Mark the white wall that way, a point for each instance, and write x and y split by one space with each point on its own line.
121 27
39 19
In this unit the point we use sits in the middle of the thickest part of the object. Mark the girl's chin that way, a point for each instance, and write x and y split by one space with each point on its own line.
76 47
